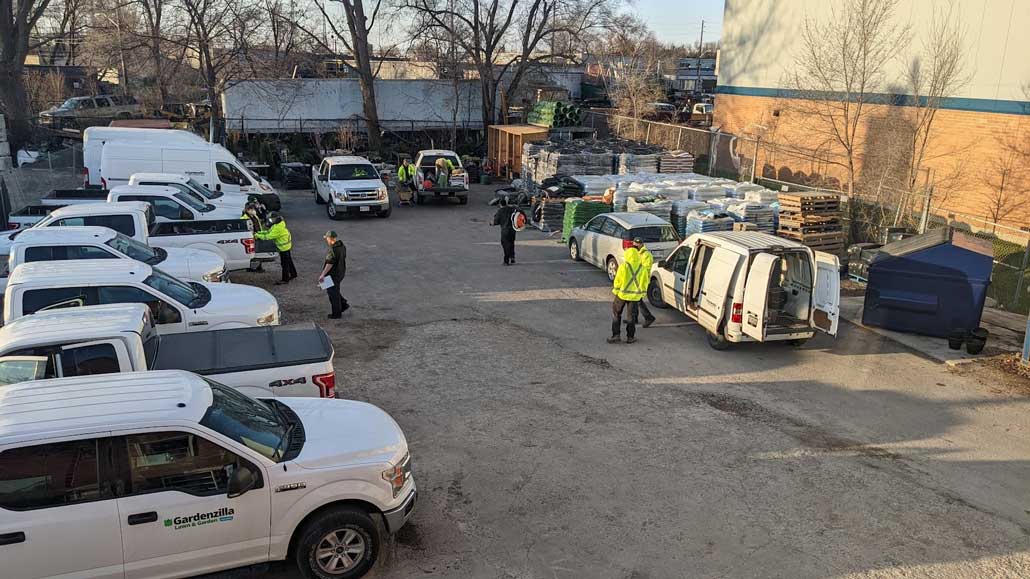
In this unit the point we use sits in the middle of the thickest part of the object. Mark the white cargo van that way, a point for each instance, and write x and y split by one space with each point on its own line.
94 139
745 286
211 165
166 474
177 306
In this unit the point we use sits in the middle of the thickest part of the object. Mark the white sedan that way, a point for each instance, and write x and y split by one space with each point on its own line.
603 239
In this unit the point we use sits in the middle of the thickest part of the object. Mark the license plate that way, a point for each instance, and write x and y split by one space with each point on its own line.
364 208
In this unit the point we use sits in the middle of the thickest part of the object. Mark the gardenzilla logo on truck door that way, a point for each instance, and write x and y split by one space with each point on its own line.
222 515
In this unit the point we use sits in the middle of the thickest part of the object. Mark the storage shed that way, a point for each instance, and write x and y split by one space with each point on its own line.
932 284
504 146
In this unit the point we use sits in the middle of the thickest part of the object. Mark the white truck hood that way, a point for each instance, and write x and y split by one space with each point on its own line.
191 264
355 184
238 303
344 432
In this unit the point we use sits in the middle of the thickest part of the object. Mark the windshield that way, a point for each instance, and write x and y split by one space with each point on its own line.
352 172
249 422
173 288
253 175
204 190
655 233
135 250
193 203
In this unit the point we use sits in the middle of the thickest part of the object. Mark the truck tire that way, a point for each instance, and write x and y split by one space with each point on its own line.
717 342
418 198
463 200
654 294
340 543
330 210
386 214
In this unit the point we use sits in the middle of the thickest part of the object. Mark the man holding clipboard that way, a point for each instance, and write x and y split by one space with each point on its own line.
332 274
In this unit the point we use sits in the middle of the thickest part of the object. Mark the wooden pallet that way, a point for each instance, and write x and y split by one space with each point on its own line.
804 229
811 236
809 202
809 218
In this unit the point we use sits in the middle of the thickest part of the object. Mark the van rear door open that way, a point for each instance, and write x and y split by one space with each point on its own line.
715 285
825 310
756 295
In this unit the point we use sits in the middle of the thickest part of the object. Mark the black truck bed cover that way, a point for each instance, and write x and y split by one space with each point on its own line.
243 349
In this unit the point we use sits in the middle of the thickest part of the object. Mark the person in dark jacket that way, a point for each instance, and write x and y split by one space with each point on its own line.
335 268
503 217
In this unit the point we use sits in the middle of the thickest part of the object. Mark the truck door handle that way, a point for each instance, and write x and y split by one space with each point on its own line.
198 324
12 538
140 518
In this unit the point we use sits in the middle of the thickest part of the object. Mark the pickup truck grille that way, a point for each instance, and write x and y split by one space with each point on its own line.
363 195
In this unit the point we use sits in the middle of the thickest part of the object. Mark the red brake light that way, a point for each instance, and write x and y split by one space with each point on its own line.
13 225
737 314
627 243
85 176
248 245
326 384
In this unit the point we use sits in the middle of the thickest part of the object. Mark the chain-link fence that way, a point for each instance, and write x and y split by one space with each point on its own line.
49 170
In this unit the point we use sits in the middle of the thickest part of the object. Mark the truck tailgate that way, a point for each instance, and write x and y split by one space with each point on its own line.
243 349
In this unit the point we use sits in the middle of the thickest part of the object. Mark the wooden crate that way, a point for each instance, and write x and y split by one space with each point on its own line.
504 146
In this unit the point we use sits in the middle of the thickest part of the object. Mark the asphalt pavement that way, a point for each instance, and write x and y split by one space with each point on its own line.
542 451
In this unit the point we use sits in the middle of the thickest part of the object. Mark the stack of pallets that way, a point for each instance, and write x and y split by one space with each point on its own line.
813 219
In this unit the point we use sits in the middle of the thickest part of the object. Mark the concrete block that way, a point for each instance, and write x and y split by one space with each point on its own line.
6 164
5 149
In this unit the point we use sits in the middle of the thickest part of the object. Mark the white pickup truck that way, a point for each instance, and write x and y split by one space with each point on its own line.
177 306
350 186
171 204
196 478
269 361
67 243
235 200
231 239
425 170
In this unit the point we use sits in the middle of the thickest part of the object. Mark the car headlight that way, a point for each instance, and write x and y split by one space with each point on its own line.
340 195
268 320
383 194
214 276
398 475
266 187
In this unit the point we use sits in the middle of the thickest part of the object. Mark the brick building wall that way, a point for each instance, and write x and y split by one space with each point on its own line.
968 151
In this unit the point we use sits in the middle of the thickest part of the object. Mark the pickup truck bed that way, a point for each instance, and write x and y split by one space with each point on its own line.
243 350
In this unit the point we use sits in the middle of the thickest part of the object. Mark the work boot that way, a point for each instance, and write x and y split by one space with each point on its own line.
614 340
647 323
630 340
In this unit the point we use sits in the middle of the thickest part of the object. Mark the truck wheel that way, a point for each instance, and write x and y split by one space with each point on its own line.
574 254
330 209
385 214
717 342
612 267
341 543
463 200
318 199
418 199
654 294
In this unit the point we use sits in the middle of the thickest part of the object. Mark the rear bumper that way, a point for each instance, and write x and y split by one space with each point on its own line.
443 191
396 518
738 337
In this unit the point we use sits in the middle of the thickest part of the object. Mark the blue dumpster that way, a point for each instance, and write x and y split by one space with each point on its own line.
933 284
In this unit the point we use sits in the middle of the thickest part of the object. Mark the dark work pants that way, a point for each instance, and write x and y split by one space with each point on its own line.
508 245
337 303
286 261
645 311
618 305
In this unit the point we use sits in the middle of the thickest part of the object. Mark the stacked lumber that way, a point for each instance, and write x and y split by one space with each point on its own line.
813 219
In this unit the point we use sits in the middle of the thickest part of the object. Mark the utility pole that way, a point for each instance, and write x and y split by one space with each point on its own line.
700 51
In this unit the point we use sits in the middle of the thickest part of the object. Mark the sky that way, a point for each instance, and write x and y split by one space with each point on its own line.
679 21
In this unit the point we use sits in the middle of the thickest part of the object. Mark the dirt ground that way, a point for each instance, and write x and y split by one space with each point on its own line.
542 451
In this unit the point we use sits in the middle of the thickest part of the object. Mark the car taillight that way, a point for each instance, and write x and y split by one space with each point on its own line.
248 245
737 314
13 225
627 243
326 384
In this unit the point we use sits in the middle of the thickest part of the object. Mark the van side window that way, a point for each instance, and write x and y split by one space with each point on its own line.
162 312
88 360
49 475
680 260
53 298
178 461
230 175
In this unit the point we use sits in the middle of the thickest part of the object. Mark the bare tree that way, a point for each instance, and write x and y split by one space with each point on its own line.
44 89
838 72
1009 190
357 57
219 37
19 20
627 54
